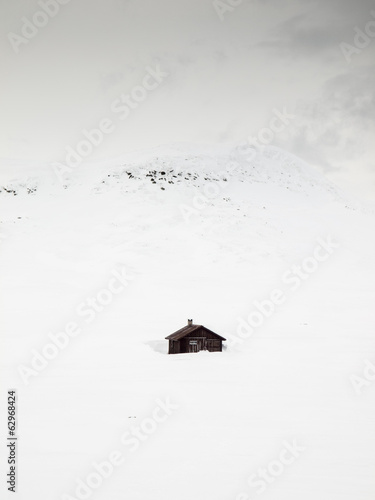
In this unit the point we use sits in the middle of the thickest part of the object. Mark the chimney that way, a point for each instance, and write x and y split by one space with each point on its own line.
190 322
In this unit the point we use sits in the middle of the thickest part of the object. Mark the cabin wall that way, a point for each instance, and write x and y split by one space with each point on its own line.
174 347
204 339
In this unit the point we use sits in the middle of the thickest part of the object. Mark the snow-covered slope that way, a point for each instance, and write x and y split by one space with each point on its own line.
257 247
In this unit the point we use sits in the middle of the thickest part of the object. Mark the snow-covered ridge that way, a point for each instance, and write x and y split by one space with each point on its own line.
242 206
178 165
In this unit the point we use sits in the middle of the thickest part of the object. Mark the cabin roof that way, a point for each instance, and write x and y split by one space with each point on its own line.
189 329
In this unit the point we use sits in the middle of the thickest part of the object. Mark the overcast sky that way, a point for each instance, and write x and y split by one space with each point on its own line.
225 71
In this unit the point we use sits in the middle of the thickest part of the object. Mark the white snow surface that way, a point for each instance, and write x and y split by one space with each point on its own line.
251 221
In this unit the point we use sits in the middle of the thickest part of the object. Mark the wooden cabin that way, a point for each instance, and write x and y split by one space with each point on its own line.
194 338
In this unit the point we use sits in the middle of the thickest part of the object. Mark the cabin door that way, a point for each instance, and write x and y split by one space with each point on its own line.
193 346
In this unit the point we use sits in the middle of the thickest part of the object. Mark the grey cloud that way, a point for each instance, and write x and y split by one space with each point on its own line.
337 126
322 27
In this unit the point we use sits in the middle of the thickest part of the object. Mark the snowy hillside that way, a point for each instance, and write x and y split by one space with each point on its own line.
104 261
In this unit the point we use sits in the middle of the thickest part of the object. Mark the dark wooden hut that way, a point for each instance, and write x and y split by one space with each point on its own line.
194 338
